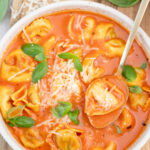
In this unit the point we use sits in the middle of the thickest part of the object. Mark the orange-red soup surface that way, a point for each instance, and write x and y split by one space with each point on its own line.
98 42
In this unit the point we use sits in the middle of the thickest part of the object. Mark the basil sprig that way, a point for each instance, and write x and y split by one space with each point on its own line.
143 66
15 111
21 121
135 89
119 131
3 8
76 60
124 3
73 115
36 51
64 108
129 73
61 109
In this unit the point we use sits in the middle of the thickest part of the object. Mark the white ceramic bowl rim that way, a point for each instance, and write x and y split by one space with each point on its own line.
81 5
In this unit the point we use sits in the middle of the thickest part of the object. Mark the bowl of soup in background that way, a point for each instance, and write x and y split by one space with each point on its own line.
56 7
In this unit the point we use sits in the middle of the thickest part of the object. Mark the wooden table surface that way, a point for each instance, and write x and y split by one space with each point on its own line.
131 12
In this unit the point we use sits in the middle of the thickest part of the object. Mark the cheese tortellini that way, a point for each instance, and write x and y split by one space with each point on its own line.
31 138
114 47
126 119
111 146
90 71
36 30
64 138
5 103
139 100
29 97
89 30
18 66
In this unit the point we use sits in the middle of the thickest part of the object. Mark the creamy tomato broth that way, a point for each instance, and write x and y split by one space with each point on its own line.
53 91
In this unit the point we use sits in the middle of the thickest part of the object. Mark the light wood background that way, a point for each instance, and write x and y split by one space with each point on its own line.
131 12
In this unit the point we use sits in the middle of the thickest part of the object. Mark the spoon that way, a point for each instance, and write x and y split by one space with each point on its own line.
101 121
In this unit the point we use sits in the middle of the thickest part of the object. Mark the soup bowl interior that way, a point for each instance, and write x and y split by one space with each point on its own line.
87 6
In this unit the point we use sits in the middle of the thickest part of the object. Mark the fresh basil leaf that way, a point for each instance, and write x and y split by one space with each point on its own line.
61 109
144 65
3 8
124 3
15 111
66 55
77 64
39 71
22 121
73 115
40 57
119 131
135 89
11 124
129 73
32 49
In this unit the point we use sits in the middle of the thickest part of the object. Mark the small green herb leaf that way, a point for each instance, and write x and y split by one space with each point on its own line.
11 124
40 57
3 8
73 115
119 131
61 109
77 64
76 60
66 55
144 65
39 71
136 89
22 121
15 111
129 73
32 49
124 3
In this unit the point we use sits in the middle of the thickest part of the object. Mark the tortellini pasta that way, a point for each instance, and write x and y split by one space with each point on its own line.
104 31
49 45
114 47
17 67
127 120
142 100
100 98
90 71
29 97
36 30
5 103
64 138
31 138
110 146
89 29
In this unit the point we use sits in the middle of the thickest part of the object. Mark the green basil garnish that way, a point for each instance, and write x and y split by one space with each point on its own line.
73 115
36 51
15 111
119 131
40 57
77 64
39 71
124 3
76 60
21 121
3 8
135 89
32 49
143 66
61 109
129 73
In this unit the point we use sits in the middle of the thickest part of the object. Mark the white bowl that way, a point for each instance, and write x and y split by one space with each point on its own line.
82 5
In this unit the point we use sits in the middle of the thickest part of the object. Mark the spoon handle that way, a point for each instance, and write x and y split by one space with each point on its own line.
136 24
